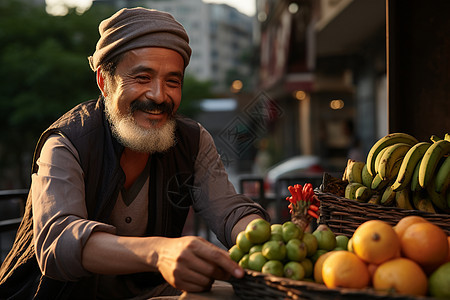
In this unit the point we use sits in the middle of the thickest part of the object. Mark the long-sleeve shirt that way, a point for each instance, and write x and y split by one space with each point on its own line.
61 227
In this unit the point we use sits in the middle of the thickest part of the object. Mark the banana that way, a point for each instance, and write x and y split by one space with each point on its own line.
442 178
412 157
378 159
344 175
436 198
366 177
350 190
430 160
363 194
402 199
393 156
378 183
385 141
375 199
435 138
447 137
426 205
415 186
388 197
354 171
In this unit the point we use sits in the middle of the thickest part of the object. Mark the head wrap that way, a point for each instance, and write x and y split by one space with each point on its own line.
132 28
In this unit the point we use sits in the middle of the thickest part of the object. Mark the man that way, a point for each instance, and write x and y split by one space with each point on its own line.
113 180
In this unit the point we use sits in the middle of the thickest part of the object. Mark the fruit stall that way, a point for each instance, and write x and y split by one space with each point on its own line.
383 231
383 226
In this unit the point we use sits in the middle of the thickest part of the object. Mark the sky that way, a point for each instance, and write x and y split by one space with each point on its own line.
54 6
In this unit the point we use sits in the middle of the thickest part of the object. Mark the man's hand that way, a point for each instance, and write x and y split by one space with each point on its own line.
192 264
187 263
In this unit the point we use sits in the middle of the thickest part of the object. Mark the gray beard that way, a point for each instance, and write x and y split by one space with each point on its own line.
131 135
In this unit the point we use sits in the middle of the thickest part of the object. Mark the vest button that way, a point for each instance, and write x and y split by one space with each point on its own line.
128 219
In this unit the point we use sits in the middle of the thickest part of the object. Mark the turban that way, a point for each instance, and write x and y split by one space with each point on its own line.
132 28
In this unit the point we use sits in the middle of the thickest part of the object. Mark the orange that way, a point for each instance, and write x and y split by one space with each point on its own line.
426 244
375 242
345 269
400 275
405 222
318 266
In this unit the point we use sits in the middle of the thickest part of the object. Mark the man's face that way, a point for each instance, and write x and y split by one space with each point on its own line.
143 97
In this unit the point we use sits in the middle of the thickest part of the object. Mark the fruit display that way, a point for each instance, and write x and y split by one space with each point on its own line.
284 250
403 172
411 258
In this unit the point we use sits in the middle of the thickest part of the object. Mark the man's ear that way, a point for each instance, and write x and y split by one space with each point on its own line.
101 82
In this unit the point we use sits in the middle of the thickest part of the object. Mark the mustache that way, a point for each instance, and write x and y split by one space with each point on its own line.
149 105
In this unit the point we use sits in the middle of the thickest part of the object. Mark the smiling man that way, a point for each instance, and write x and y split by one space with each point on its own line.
113 180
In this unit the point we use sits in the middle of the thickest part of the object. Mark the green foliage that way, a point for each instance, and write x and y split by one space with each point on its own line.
44 73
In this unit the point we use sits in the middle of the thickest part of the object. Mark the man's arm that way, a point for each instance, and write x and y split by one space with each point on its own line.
188 263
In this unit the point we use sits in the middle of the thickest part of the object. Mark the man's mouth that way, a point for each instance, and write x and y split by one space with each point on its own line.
151 107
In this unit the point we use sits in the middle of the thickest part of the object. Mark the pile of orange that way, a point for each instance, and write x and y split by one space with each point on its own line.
396 259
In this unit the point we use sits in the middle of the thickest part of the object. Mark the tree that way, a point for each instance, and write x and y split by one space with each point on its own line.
44 73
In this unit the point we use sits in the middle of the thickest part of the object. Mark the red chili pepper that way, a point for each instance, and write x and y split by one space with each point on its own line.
313 214
313 207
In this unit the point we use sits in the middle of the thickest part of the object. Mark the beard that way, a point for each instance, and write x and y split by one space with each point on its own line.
131 135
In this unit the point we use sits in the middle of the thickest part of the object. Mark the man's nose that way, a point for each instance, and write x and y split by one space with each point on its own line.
155 91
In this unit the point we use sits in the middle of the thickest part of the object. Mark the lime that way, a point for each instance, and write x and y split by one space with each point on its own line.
291 231
242 242
342 241
318 254
296 250
308 267
274 267
439 282
274 250
276 237
244 261
258 231
294 270
311 243
255 248
350 245
276 229
235 253
325 238
256 261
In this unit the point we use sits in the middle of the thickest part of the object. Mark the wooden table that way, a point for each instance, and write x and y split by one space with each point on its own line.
221 290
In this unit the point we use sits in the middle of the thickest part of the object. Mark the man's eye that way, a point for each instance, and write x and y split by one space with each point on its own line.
142 78
174 82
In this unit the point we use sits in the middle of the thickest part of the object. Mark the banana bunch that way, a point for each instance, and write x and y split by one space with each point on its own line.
401 171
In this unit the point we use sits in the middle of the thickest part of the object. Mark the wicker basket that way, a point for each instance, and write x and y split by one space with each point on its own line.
256 285
343 215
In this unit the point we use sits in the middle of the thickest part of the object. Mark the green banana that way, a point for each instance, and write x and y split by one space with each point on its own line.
430 160
412 157
378 159
436 198
378 183
415 186
442 178
388 197
363 194
392 157
354 171
350 190
366 177
385 141
402 199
